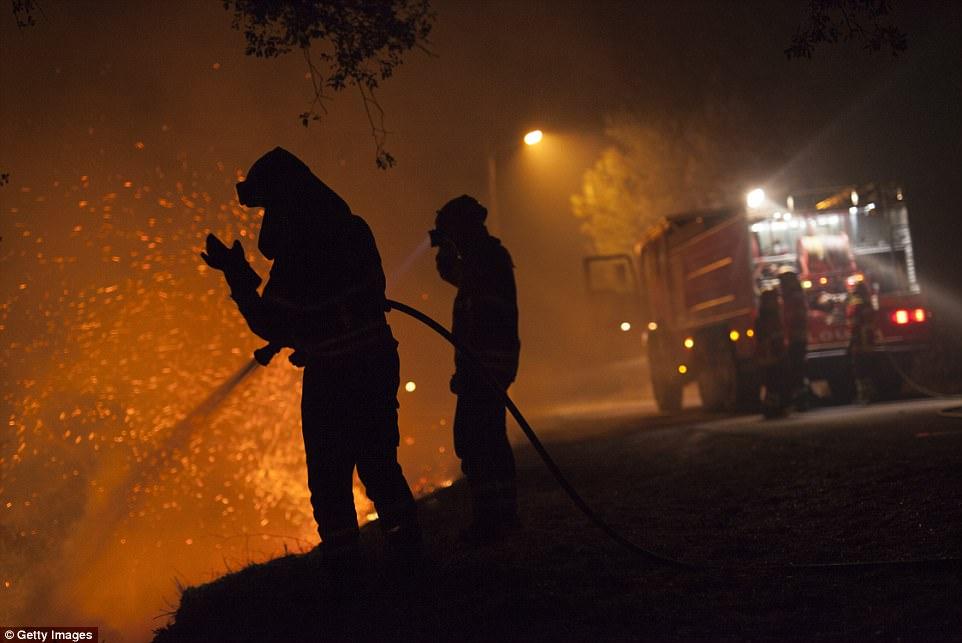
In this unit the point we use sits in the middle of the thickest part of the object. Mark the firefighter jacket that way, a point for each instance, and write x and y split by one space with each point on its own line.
862 323
325 294
795 314
769 333
486 316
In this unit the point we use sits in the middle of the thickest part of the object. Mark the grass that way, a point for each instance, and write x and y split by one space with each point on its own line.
733 498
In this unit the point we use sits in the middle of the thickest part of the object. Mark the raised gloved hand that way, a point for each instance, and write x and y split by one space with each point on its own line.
231 261
265 354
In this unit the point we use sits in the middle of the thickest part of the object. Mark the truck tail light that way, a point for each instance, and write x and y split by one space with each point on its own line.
902 316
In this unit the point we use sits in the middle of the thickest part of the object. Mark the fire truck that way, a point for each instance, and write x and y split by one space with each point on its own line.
690 292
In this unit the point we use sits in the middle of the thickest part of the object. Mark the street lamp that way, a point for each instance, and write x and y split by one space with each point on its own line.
494 221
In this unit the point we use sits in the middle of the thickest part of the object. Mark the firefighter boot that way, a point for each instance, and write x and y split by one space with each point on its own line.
494 512
402 533
508 505
339 555
864 391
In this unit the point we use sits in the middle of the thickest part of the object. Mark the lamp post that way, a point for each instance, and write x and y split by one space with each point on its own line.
494 218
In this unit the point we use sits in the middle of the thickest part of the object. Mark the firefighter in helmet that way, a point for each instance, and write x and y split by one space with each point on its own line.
770 353
863 333
325 299
795 318
486 323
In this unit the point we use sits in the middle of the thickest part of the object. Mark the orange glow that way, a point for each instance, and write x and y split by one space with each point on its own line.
652 326
682 369
750 332
150 330
918 315
410 386
533 137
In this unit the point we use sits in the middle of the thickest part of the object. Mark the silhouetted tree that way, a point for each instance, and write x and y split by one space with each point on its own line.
358 43
828 21
653 168
24 12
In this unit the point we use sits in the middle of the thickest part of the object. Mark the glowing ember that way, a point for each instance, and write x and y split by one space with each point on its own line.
111 332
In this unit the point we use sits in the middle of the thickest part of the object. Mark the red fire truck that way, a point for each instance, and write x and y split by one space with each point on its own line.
691 290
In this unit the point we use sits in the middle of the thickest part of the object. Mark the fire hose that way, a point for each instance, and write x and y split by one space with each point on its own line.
911 382
644 553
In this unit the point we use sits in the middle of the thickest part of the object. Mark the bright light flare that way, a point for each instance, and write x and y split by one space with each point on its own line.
533 137
919 314
410 386
734 335
625 326
689 342
755 198
682 369
652 326
854 279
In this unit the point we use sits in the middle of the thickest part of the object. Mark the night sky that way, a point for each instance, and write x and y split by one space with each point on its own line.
118 114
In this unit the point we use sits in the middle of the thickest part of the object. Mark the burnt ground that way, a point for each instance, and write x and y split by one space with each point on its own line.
742 499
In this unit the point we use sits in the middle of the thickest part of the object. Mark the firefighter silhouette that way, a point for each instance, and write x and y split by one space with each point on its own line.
795 317
863 332
486 322
325 299
770 353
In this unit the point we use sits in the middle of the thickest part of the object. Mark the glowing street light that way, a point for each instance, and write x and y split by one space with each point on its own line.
531 138
755 198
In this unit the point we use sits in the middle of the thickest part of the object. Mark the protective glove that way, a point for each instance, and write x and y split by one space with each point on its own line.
241 278
265 354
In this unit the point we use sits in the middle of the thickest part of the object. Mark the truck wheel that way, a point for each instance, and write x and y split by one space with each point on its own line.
717 374
749 392
665 384
667 393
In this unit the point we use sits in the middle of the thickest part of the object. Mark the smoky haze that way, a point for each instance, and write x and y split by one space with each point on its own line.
125 127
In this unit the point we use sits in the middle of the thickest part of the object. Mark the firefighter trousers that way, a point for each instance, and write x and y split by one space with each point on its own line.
349 419
481 442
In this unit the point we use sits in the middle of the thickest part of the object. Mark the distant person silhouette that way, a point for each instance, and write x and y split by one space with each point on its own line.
486 322
863 330
770 348
325 299
795 317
